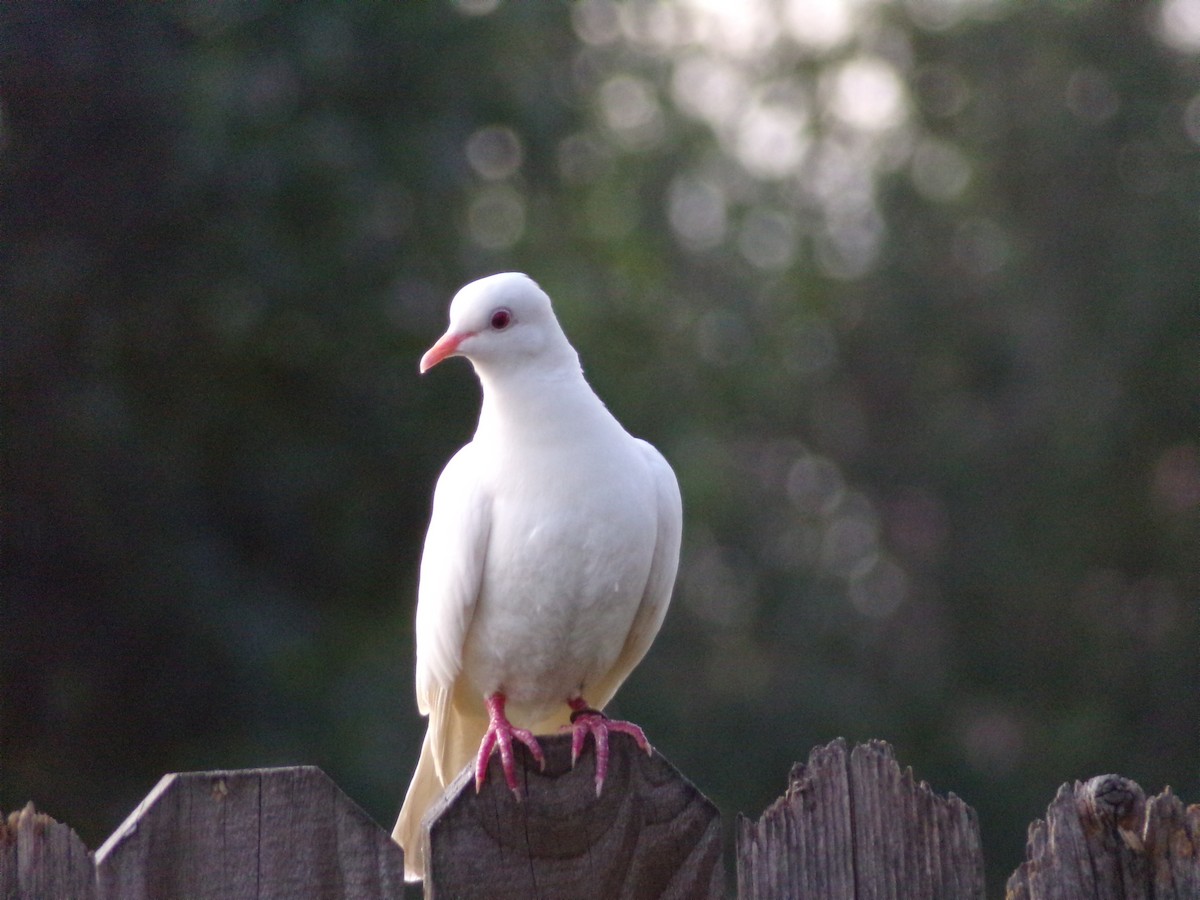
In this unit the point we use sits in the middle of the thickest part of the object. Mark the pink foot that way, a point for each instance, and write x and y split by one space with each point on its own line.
501 733
585 721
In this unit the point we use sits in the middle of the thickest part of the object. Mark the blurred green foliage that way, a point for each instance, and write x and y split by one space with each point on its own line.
908 294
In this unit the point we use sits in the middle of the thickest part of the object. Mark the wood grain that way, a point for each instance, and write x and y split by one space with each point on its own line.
40 858
1103 840
254 833
852 825
649 834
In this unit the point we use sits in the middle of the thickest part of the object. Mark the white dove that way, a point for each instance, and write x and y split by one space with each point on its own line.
550 557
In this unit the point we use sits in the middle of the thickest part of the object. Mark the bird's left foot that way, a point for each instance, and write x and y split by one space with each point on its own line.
585 721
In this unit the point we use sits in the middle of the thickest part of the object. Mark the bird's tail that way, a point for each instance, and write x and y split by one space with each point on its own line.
450 744
424 788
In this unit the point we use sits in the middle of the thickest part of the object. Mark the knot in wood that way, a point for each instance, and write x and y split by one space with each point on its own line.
1113 798
1114 802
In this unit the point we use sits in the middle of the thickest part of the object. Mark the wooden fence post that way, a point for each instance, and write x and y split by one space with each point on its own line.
650 833
852 825
43 860
1103 840
262 833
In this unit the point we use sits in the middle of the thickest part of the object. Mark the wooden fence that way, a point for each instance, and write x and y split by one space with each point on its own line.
852 824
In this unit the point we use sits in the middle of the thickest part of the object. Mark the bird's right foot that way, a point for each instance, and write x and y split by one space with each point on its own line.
501 733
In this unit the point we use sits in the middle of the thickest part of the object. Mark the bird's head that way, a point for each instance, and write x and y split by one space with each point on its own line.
501 322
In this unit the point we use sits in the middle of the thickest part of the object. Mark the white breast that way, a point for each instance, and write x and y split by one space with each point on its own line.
568 557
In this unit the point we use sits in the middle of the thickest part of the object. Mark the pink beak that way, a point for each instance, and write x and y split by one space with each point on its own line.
447 345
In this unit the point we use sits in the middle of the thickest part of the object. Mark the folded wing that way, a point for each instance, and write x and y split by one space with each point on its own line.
657 594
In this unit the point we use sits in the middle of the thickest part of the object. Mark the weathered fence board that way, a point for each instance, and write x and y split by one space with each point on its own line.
261 833
39 858
1103 840
650 833
852 825
258 833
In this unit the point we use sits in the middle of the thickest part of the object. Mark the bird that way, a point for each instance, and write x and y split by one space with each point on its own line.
549 560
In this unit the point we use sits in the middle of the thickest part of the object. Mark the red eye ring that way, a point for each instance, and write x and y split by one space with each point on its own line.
501 319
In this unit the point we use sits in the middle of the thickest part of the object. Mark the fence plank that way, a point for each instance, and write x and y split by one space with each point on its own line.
1103 840
852 825
42 860
260 833
650 833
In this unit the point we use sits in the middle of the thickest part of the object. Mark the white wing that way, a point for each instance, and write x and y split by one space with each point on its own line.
657 595
451 573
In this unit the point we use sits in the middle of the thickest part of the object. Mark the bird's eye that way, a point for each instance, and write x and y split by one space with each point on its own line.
501 319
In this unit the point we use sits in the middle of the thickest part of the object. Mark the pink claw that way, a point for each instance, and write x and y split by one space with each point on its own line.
585 721
501 733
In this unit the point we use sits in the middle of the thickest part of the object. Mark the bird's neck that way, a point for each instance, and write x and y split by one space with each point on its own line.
539 406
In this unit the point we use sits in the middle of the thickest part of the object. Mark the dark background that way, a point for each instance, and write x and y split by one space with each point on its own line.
909 300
